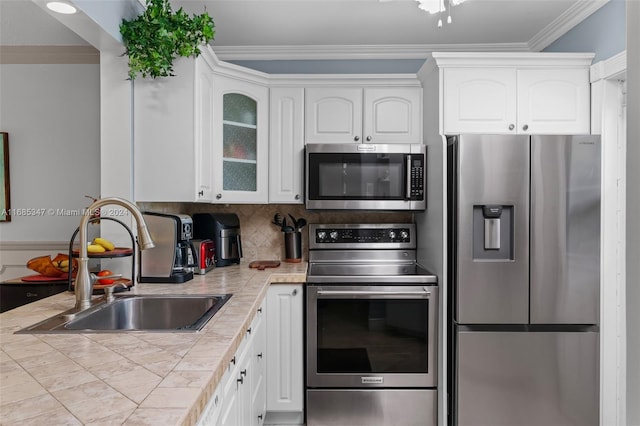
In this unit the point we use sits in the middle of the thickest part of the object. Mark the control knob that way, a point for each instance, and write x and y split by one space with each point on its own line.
404 235
392 235
322 235
333 235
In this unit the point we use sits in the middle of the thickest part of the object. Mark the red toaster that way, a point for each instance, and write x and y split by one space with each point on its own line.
205 250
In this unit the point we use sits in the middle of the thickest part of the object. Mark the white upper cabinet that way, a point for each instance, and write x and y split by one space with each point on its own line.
515 93
479 100
286 145
393 115
172 134
554 101
241 135
363 115
333 115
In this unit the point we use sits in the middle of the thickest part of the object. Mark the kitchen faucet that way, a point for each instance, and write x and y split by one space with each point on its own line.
84 283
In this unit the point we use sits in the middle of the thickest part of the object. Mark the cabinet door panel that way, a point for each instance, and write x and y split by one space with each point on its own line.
285 387
286 145
479 100
553 101
241 148
392 115
333 115
204 134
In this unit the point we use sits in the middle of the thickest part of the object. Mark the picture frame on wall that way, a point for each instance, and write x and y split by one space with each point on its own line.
5 196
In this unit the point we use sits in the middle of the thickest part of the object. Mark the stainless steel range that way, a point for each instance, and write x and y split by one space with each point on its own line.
371 327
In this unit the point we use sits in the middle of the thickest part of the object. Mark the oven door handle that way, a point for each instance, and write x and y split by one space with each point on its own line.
424 294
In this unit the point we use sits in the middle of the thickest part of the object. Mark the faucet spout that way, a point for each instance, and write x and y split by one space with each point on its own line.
84 283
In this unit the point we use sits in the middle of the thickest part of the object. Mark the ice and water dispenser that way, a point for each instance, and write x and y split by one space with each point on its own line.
493 232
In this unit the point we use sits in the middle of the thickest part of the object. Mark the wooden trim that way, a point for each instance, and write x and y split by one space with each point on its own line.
34 245
49 55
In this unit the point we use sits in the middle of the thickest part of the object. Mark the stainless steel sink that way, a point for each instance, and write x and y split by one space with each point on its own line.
158 313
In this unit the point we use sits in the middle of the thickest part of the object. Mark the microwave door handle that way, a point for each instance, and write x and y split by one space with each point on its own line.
408 173
350 294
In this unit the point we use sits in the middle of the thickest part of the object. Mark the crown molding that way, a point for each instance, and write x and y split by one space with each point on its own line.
614 67
351 52
571 17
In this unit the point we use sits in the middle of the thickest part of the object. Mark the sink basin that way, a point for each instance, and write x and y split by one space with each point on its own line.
168 313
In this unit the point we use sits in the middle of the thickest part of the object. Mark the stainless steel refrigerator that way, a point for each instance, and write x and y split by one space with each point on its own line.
524 269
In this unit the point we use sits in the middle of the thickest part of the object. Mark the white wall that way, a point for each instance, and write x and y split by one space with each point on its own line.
51 112
633 213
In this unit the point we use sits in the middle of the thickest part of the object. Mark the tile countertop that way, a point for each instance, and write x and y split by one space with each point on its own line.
128 378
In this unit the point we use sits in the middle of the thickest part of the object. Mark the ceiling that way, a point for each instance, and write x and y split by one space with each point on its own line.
340 29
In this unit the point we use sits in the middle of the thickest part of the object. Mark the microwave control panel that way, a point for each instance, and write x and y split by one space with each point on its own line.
416 177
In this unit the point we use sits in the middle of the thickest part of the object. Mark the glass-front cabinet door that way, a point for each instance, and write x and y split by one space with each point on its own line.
240 142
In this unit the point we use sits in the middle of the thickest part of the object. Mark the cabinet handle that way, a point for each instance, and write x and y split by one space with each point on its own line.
511 127
357 138
294 292
297 197
201 193
525 127
368 138
218 196
260 355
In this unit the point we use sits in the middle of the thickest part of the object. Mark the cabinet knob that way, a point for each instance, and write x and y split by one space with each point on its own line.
260 310
218 196
233 360
201 193
368 138
357 138
241 380
249 330
525 127
297 197
260 417
260 355
243 373
294 292
511 126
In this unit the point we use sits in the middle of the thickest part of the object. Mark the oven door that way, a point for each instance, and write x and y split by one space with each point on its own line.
372 177
371 336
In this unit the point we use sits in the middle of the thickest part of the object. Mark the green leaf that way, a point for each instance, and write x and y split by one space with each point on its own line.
154 39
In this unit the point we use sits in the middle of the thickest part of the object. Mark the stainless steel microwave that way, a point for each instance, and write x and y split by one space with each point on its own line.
365 176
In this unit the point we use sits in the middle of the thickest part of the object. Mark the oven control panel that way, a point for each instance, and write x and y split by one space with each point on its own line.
362 235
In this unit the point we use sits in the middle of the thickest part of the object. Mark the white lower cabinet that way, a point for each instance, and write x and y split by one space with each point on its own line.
285 368
240 398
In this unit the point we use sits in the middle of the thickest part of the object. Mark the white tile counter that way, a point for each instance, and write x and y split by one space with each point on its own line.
135 378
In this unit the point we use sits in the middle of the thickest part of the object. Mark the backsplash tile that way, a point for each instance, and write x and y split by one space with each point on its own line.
263 240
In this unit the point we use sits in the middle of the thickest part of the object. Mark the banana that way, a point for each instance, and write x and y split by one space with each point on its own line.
63 265
108 245
95 248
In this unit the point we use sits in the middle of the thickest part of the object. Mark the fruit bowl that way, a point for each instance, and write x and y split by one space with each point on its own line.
55 268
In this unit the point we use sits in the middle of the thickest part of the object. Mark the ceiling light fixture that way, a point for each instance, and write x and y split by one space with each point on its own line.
61 7
439 6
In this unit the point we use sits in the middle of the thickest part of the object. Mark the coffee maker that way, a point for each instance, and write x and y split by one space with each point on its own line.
173 258
224 230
